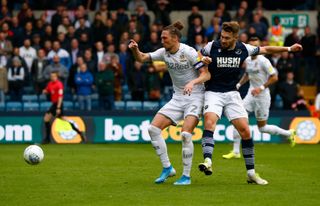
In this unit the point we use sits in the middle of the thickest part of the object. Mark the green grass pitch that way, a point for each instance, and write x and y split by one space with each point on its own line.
123 174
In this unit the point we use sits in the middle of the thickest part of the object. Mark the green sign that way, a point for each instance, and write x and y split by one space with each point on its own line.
135 129
20 129
125 129
292 20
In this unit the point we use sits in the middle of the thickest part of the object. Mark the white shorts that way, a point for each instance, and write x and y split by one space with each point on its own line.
259 105
229 102
181 106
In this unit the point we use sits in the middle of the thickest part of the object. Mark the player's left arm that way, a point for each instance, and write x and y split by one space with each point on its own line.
195 59
273 77
203 77
278 49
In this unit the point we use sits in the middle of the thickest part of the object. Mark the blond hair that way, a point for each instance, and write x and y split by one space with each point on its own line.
174 29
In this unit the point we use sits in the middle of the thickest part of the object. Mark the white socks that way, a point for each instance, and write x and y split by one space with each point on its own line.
187 152
236 141
251 172
159 145
274 130
270 129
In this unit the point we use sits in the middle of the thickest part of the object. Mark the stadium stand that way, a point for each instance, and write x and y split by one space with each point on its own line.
31 106
120 105
13 106
133 105
2 106
29 98
44 106
67 105
148 105
117 32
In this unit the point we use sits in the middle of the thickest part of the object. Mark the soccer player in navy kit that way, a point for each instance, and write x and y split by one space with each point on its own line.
259 71
226 56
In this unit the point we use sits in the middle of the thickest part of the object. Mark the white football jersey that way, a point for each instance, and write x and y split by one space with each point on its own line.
259 70
183 66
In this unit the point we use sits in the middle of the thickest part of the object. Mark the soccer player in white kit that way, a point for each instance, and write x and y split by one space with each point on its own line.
261 75
188 73
226 57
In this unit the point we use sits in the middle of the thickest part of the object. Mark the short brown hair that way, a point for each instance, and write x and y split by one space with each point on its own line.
254 38
174 29
231 26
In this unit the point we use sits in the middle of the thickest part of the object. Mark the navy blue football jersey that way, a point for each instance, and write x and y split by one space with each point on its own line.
226 65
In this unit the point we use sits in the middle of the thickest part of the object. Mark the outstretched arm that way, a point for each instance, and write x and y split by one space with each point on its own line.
278 49
138 55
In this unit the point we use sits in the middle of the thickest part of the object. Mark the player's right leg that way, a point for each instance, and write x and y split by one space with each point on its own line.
210 120
47 118
235 153
213 106
158 124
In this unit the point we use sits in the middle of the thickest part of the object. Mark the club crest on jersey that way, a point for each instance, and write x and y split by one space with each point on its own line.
219 50
182 58
238 51
225 62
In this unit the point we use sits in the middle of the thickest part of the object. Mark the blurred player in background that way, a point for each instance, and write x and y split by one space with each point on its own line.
188 73
55 90
226 56
261 74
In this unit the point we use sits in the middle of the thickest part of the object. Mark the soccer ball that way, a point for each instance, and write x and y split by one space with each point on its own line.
33 154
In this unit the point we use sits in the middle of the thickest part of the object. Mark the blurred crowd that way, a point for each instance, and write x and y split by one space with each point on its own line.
91 54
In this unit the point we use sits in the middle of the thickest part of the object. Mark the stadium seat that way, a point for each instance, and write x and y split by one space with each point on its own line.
67 105
134 105
2 106
29 98
119 105
95 104
42 98
68 97
14 106
30 106
127 96
76 105
28 90
125 89
95 96
95 101
148 105
44 106
278 103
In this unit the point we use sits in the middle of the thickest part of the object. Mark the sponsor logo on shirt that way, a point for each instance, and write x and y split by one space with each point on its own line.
177 66
233 62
